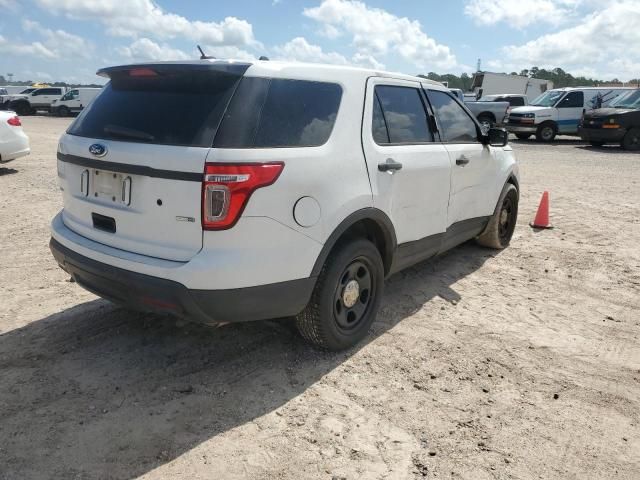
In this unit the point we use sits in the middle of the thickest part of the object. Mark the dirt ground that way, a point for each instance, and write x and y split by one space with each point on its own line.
523 364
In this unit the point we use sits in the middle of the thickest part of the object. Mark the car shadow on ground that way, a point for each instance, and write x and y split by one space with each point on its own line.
555 143
7 171
97 391
608 148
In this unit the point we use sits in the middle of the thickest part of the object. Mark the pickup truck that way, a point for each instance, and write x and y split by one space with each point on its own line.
38 99
489 113
514 99
5 98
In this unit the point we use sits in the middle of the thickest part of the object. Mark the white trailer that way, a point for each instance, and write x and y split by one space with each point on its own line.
487 83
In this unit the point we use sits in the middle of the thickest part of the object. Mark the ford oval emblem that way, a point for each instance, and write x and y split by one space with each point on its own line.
98 150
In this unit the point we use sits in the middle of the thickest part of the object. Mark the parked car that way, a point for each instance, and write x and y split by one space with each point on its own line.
619 123
319 181
488 114
513 99
38 99
14 143
558 111
74 101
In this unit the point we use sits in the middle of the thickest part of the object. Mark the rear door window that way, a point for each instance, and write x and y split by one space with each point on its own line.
516 101
272 113
160 105
455 124
404 113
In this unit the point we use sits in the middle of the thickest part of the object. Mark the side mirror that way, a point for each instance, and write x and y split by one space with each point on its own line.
496 137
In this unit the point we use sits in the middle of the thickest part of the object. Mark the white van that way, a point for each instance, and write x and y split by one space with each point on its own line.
559 111
74 101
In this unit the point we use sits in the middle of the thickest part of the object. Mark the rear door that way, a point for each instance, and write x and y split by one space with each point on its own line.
409 172
132 162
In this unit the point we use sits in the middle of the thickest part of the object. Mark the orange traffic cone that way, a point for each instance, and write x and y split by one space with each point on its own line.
542 217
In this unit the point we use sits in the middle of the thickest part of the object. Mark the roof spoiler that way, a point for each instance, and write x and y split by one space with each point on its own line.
222 66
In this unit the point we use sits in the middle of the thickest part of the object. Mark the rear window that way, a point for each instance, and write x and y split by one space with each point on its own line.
167 106
271 113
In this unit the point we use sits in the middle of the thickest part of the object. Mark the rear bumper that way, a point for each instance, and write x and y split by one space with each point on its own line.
147 293
15 148
602 134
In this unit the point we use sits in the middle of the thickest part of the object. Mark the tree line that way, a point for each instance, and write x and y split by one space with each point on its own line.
558 76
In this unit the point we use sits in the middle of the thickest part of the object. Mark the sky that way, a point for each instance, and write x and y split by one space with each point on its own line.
68 40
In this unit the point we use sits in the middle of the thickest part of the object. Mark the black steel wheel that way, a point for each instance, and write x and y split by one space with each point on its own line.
352 297
346 297
502 223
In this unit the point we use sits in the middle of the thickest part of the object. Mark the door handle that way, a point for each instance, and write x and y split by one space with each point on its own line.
462 160
390 166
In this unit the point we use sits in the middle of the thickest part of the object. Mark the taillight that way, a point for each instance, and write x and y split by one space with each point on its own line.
226 189
15 121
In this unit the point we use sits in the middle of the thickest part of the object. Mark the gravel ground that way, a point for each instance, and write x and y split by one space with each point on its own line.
523 364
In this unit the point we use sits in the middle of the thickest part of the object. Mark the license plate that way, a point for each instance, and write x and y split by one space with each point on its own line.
111 186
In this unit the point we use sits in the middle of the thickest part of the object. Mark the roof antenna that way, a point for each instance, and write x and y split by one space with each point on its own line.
264 58
203 56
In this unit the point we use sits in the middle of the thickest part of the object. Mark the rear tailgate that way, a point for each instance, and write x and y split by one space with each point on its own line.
131 164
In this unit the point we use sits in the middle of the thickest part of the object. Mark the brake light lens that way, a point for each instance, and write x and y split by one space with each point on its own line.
15 121
226 189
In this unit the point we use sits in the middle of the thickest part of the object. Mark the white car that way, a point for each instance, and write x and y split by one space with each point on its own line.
14 143
225 191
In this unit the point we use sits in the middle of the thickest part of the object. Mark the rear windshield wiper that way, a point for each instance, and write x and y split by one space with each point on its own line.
128 133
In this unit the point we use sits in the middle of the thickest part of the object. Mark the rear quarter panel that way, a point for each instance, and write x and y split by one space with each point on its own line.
333 174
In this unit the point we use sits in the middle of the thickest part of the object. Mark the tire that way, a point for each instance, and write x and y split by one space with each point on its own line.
502 223
546 132
486 122
353 273
523 136
631 140
64 111
22 108
597 144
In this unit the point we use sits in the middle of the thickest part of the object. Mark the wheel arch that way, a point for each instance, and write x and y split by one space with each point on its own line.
369 223
491 116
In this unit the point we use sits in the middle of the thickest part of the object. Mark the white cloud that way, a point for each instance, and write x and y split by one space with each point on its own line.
300 50
55 44
9 5
602 42
62 44
144 49
134 18
376 32
521 13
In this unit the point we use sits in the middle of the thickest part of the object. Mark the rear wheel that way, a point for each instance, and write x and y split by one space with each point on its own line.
500 228
631 140
546 132
522 136
346 297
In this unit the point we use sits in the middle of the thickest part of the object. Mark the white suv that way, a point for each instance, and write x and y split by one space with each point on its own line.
225 191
